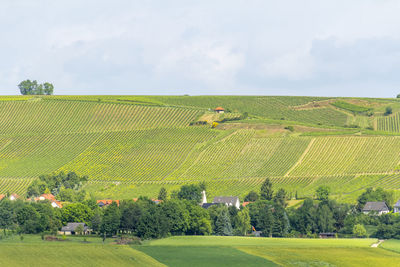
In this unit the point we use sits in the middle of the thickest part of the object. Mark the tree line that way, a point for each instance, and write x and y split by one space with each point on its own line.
180 213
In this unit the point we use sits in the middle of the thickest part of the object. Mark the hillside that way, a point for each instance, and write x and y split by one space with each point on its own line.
133 145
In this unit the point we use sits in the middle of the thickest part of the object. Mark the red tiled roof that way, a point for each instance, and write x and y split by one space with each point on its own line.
244 204
219 109
2 196
48 196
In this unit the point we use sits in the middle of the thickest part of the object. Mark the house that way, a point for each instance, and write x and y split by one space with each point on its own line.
396 207
228 201
2 196
378 208
70 229
14 197
219 110
106 202
47 196
51 198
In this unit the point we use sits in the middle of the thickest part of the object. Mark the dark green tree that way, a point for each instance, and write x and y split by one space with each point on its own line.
266 192
223 224
251 196
190 192
281 197
322 193
163 194
111 220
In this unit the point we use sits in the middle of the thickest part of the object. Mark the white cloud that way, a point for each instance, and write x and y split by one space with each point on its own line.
202 47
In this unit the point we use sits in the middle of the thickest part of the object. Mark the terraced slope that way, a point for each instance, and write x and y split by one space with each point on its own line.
134 145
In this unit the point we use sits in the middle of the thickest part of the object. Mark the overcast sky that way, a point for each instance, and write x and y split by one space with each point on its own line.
326 48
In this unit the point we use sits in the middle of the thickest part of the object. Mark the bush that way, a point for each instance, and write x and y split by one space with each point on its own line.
290 128
388 111
359 231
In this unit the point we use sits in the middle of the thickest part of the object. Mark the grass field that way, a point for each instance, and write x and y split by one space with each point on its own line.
134 145
198 251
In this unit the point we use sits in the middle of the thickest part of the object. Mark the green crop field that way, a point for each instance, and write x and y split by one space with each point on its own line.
134 145
197 251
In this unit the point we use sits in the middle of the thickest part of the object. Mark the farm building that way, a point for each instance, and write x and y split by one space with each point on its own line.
378 208
228 201
51 198
2 196
72 228
219 110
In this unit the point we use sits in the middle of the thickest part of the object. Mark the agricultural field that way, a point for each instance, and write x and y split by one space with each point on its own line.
195 250
134 145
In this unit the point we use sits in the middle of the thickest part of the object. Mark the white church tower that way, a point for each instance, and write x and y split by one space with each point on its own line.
204 200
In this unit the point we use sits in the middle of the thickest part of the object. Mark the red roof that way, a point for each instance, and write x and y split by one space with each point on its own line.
48 196
219 109
244 204
2 196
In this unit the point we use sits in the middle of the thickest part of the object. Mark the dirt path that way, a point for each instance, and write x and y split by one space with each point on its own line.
377 244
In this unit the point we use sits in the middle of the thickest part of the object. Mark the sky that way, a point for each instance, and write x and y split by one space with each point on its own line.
319 48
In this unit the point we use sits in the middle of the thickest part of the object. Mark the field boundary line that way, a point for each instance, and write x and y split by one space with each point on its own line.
301 157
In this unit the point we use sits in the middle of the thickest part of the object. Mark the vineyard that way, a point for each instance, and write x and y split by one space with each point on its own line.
134 145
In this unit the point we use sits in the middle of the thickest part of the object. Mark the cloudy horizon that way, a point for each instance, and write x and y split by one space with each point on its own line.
319 48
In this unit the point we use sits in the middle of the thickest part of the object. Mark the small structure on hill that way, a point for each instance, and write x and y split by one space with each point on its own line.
375 207
396 207
2 196
74 229
219 110
228 201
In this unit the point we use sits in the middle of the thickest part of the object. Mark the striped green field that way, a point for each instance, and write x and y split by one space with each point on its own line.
134 145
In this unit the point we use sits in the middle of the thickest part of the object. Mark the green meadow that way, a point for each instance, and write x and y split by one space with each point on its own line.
198 251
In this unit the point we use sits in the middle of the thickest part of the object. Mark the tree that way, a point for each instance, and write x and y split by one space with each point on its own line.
398 96
48 88
266 192
322 192
251 196
76 212
281 197
190 192
163 194
388 111
79 229
242 225
111 220
265 220
223 223
359 230
176 216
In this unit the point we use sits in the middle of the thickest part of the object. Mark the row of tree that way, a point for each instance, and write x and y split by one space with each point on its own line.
29 87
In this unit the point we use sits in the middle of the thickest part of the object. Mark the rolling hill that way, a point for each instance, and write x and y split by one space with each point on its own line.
134 145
